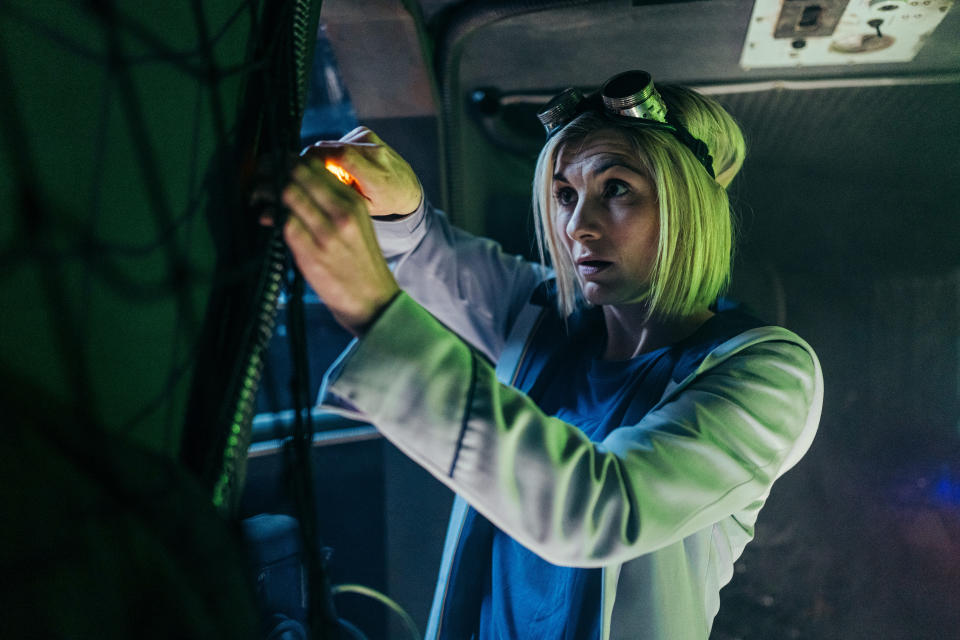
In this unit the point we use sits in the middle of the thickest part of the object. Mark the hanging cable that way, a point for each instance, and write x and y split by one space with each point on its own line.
383 599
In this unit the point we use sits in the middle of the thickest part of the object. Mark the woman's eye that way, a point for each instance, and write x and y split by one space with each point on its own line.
615 188
565 196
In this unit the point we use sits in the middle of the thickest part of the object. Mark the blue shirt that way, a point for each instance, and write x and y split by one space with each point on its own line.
525 596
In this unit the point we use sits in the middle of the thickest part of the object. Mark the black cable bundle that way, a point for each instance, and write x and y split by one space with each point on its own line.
322 615
218 425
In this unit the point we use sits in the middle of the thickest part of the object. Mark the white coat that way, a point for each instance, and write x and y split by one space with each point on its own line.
664 506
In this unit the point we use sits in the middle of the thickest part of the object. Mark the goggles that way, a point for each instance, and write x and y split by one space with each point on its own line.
627 98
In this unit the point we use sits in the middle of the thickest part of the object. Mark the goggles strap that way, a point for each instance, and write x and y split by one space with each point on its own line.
696 145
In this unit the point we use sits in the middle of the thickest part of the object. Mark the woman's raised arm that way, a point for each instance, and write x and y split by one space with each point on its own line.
712 448
467 282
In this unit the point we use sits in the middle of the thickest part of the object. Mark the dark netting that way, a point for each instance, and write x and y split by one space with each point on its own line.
138 288
126 147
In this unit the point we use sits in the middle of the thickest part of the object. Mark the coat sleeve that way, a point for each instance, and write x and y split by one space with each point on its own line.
708 451
466 282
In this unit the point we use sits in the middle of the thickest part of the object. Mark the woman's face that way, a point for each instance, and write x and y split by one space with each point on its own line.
607 216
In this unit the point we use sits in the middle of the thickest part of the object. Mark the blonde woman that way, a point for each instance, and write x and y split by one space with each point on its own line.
610 433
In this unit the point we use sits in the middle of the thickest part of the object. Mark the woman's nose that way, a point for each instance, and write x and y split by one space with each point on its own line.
584 223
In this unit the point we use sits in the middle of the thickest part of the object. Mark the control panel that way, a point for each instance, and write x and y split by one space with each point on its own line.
799 33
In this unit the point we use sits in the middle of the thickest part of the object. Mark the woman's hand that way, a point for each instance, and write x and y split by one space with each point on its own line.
331 236
383 177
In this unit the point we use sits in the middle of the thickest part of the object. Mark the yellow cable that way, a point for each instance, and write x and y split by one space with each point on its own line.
383 599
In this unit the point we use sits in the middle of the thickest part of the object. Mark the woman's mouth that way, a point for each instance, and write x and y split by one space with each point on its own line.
592 267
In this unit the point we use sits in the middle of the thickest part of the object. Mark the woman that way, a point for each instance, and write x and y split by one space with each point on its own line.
608 490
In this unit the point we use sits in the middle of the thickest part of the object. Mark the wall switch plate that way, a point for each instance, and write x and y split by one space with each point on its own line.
807 33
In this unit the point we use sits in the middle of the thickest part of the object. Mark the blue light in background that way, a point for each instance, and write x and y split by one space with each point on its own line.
946 488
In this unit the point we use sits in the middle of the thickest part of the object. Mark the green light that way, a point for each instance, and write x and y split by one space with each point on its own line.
218 494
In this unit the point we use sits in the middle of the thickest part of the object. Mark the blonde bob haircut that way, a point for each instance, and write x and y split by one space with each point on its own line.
694 251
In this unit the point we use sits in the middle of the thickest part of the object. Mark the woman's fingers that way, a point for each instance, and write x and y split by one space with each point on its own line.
356 134
354 158
381 175
332 199
332 240
358 156
306 211
362 134
298 237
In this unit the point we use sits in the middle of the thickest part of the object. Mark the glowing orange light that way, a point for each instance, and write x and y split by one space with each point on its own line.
342 174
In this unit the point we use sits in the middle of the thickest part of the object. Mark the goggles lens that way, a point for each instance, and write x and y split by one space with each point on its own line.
561 109
632 94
